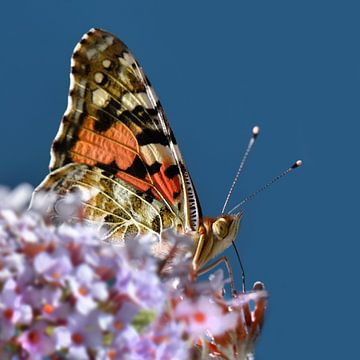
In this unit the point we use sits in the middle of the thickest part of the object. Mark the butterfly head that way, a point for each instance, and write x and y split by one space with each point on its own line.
214 236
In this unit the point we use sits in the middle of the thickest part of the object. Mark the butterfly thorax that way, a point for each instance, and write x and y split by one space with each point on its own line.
213 236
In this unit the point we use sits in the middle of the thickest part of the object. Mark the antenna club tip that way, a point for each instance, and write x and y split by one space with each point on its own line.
255 131
297 164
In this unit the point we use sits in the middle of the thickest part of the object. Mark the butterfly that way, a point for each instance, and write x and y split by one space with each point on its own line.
115 144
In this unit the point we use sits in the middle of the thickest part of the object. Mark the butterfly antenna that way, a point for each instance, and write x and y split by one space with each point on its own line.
255 133
274 180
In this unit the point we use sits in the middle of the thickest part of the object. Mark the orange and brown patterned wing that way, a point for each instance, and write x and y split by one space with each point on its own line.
115 140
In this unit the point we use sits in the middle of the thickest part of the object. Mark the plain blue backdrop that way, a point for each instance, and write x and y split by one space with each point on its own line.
220 67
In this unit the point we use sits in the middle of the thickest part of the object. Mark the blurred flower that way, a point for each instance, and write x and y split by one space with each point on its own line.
66 295
17 199
239 341
202 315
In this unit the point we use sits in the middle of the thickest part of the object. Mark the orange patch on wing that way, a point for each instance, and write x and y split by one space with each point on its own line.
140 184
121 134
117 144
168 187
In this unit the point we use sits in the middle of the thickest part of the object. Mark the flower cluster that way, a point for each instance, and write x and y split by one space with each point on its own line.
66 295
239 341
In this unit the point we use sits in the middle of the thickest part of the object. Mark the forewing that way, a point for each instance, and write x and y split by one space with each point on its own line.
114 131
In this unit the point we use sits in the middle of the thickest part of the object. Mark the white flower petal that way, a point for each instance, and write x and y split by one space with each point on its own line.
85 304
62 337
85 274
99 291
43 262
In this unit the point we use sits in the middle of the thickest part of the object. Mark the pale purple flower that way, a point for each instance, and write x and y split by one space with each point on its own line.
87 289
63 290
202 315
36 342
170 343
53 267
12 310
16 199
61 337
85 330
45 300
238 343
124 341
78 352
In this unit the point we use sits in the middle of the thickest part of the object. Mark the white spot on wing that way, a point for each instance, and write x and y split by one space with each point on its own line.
90 53
77 47
72 86
126 59
58 135
157 152
107 41
124 79
98 77
106 63
100 97
144 100
129 101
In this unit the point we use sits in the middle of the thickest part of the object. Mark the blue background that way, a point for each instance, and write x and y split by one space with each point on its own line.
293 67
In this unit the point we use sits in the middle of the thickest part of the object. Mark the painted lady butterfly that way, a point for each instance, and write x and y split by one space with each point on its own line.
115 141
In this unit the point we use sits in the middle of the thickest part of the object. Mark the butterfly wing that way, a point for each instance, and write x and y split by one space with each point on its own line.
115 142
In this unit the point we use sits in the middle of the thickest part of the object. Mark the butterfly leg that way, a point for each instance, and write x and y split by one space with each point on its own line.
199 249
227 264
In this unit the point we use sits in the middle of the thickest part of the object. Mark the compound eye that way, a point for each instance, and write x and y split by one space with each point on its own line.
221 227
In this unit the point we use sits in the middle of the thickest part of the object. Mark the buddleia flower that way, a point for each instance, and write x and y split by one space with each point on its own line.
65 294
